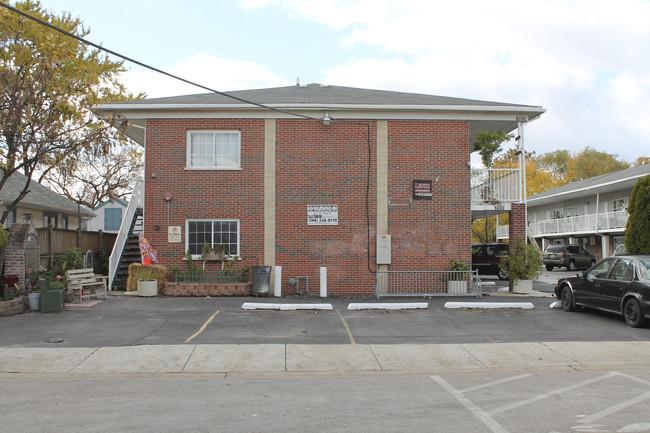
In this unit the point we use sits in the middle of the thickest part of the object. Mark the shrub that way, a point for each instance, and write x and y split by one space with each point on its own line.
637 234
523 262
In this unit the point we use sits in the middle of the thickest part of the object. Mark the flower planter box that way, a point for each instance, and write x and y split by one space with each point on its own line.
456 287
148 288
522 286
12 307
207 289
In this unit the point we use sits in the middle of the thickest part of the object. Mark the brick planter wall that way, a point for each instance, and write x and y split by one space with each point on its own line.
198 289
12 307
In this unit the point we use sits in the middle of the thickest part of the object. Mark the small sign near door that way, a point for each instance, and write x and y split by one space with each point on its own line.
174 234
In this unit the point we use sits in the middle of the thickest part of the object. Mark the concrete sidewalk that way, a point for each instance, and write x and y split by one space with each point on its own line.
277 359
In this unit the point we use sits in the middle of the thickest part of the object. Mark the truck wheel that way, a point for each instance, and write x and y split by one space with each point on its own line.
549 267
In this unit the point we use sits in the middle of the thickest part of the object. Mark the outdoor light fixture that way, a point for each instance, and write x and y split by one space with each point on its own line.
326 119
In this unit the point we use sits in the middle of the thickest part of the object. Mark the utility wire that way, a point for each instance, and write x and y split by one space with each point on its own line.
144 65
160 71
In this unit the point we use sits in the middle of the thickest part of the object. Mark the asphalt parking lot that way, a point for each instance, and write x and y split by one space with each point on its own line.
124 320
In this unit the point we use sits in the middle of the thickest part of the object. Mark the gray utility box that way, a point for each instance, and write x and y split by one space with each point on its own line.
383 249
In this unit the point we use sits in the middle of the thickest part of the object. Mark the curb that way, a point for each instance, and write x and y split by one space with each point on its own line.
388 306
490 305
284 307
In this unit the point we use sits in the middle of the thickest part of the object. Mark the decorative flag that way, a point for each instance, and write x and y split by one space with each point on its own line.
147 251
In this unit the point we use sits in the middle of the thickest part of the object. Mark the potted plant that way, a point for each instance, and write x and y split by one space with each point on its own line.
457 277
523 263
147 282
216 253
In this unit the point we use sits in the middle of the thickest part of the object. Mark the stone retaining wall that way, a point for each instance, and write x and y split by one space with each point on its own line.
198 289
12 307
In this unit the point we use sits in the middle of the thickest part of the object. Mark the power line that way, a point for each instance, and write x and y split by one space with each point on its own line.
144 65
160 71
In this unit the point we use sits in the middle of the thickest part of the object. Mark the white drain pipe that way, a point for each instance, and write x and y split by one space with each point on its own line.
323 282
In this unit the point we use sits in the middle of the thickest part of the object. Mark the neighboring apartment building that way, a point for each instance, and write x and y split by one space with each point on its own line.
108 216
591 213
45 207
315 189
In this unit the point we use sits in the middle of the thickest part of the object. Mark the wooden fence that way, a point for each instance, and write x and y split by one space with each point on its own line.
55 242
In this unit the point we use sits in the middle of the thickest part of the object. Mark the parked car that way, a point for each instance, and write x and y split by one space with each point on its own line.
567 256
618 284
486 258
620 250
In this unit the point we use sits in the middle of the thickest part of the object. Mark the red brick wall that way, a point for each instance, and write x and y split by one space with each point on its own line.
232 194
321 165
317 164
427 234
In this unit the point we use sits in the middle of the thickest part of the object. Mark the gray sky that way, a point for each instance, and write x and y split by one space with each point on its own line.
586 61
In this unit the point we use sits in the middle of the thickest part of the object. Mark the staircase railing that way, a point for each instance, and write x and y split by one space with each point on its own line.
137 199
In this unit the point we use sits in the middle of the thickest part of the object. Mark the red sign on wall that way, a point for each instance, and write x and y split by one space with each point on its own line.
422 190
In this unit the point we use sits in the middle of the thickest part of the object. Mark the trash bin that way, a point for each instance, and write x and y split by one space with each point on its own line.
261 280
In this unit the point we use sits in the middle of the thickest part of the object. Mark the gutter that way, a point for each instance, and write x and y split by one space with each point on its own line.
537 111
589 188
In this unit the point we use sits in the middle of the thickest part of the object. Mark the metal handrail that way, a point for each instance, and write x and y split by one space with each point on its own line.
136 202
495 185
591 223
427 283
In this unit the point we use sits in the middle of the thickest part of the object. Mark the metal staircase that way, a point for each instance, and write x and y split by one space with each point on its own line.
127 246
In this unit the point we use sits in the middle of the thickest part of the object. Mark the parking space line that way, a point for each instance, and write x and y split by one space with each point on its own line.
483 416
549 394
347 328
618 407
496 382
207 322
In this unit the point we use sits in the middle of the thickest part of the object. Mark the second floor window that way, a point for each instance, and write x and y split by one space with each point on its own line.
572 211
620 205
214 150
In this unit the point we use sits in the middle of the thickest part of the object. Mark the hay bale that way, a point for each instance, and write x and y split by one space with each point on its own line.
134 275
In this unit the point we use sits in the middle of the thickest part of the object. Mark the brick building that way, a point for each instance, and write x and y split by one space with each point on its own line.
311 178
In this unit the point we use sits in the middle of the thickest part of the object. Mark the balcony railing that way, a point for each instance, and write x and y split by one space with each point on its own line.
495 185
582 224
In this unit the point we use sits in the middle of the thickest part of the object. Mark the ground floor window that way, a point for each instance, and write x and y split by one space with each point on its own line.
213 232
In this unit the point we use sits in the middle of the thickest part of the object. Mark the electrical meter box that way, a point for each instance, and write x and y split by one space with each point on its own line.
383 249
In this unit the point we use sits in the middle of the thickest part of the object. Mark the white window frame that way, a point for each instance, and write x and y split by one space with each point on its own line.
624 201
214 152
212 241
571 211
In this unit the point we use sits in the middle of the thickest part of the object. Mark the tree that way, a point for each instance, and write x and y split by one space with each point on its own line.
556 164
591 163
637 234
92 178
641 160
48 82
536 180
484 230
488 143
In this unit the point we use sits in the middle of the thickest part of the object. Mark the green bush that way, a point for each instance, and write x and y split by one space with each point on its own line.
523 262
71 259
637 234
